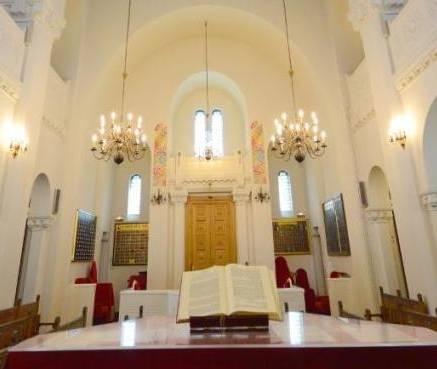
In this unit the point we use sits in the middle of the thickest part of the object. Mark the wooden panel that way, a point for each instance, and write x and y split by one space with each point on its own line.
210 232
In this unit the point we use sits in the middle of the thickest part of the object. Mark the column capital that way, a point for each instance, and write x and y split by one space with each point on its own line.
178 197
429 201
361 10
39 223
379 215
24 12
241 196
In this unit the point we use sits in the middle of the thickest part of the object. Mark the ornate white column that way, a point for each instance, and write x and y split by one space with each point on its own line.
415 238
429 201
386 259
241 200
178 199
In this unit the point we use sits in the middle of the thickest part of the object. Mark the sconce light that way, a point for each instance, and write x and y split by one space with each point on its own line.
158 198
398 131
17 139
262 196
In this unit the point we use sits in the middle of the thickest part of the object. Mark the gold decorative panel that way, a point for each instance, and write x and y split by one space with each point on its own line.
130 244
291 236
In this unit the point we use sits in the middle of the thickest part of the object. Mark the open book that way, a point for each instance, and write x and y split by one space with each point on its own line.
230 290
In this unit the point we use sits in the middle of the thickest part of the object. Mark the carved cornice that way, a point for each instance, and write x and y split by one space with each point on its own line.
241 196
379 215
356 125
10 88
361 10
416 70
39 223
43 11
178 197
429 201
57 127
207 181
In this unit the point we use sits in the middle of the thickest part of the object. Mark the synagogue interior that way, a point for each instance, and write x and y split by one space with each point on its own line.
272 163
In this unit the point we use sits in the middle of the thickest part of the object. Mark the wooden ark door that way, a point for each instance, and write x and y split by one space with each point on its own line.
210 233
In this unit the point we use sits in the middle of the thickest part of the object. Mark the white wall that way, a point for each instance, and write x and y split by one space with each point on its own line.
118 275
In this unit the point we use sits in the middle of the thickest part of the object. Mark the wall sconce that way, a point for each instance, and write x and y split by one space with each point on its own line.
398 131
158 198
262 196
17 139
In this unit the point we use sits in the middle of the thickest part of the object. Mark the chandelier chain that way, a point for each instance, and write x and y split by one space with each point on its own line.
207 69
124 75
291 70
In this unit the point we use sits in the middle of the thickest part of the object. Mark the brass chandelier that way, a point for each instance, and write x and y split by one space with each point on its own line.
123 138
295 136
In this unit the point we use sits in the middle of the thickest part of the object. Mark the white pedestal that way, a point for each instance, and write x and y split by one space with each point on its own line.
294 297
154 302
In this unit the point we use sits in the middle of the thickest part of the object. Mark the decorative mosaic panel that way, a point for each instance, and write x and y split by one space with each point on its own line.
84 236
337 238
160 156
130 244
291 236
258 154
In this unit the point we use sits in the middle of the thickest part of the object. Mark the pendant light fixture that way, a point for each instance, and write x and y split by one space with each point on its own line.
295 136
123 138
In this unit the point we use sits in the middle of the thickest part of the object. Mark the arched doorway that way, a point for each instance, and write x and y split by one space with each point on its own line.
33 256
386 255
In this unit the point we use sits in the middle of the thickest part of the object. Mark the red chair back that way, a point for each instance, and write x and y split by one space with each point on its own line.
283 275
93 272
302 279
82 280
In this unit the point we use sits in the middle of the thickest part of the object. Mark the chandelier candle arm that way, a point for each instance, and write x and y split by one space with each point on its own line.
122 139
294 135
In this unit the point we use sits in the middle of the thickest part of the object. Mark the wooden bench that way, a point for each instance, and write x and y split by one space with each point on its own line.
13 332
400 310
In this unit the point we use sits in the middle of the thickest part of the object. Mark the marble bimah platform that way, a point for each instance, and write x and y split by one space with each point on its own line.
300 341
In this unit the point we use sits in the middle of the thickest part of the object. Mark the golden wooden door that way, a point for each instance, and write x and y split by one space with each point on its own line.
210 232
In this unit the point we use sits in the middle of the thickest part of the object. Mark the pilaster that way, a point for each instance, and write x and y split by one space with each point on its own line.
178 200
241 200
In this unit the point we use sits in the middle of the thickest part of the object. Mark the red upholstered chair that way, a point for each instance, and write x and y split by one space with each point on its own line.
335 274
104 303
138 282
93 272
284 277
314 304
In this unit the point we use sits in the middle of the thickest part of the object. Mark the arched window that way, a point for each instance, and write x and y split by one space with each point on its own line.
217 132
208 133
134 196
199 132
284 189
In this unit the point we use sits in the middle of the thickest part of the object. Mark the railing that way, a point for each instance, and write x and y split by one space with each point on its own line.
11 54
361 108
413 39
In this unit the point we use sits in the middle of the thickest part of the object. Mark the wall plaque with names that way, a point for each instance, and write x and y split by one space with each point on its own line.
130 244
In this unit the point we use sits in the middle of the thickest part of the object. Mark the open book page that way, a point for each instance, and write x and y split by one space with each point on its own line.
203 293
250 290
